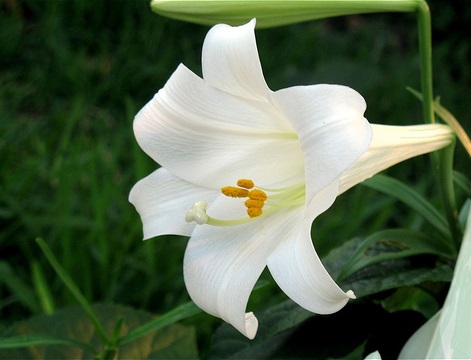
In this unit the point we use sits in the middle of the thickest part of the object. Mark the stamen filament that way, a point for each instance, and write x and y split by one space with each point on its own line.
218 222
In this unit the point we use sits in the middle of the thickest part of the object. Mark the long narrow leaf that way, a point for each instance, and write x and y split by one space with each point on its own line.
42 289
410 197
18 287
73 289
182 312
448 118
393 244
41 340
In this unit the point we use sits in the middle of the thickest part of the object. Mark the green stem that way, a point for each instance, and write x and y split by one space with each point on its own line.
425 50
442 161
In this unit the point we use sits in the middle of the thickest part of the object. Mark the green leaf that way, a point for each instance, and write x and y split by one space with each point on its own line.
18 287
385 275
182 312
393 244
42 289
395 274
410 197
72 335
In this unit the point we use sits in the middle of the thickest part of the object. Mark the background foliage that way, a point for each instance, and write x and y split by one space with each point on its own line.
72 76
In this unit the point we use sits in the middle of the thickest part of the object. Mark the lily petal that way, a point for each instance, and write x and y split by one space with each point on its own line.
231 63
222 264
162 200
299 272
331 128
393 144
418 345
211 138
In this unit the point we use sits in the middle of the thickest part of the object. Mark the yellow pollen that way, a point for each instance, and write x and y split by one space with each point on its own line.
254 211
256 198
245 183
254 203
257 195
235 192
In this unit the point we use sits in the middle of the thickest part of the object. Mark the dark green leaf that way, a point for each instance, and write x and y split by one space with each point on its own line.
410 197
393 244
382 276
394 274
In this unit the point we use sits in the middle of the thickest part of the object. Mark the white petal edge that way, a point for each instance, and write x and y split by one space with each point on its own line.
231 63
162 201
393 144
222 264
299 272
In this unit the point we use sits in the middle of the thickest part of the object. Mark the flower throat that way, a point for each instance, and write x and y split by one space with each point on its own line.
256 199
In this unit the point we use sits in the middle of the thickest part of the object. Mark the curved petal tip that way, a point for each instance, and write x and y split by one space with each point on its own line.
251 325
350 294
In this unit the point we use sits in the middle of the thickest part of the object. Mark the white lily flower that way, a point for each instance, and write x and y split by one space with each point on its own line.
253 168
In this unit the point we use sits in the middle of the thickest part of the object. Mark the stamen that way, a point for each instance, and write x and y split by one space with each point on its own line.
257 195
245 183
254 211
254 203
254 207
234 192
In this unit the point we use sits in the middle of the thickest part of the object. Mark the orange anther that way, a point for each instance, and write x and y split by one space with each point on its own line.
235 192
245 183
257 195
254 203
254 212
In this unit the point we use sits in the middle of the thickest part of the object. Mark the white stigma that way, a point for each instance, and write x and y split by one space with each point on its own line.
198 213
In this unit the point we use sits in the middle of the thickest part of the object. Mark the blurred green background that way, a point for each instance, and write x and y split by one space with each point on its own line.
74 73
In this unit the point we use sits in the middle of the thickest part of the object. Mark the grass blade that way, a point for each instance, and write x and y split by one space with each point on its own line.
181 312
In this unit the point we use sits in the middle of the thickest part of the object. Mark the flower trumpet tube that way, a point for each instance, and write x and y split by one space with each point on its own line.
271 13
245 170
